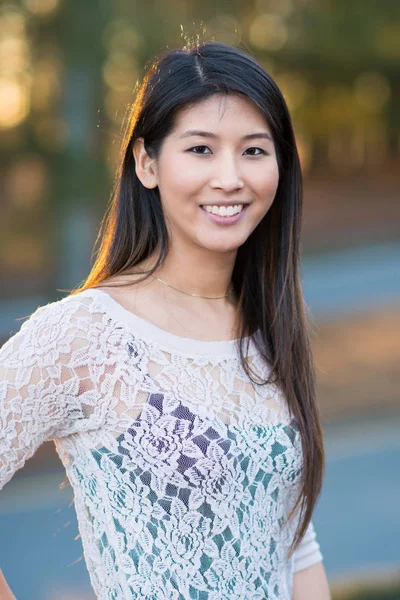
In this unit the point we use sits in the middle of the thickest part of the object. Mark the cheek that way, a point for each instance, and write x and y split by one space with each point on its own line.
266 183
179 177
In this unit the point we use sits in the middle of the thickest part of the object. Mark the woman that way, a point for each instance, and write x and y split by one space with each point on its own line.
177 381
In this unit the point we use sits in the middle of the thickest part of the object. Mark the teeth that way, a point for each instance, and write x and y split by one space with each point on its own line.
224 211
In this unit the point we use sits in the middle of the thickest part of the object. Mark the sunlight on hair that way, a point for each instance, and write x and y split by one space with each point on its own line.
193 40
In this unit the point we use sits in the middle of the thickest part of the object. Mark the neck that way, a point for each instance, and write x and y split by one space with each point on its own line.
203 274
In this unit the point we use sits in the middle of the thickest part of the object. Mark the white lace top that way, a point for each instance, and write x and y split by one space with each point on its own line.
182 472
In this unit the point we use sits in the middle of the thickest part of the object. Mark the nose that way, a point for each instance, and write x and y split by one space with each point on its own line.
227 174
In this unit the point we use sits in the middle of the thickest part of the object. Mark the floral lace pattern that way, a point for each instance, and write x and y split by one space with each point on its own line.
183 472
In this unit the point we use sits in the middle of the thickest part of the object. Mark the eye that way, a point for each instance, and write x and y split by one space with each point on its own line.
253 153
198 149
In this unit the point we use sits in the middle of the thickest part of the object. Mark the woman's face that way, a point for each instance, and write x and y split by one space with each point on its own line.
219 154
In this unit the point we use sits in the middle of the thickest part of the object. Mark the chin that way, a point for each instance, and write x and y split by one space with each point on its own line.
220 247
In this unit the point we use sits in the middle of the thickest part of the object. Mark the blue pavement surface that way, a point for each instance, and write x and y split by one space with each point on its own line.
344 282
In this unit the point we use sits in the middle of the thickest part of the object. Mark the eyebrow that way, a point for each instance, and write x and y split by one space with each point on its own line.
208 134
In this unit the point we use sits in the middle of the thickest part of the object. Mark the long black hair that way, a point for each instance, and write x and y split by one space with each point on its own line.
266 271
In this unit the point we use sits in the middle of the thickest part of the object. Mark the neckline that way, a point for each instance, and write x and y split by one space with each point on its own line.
151 332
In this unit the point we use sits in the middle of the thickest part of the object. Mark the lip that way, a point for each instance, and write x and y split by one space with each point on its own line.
225 220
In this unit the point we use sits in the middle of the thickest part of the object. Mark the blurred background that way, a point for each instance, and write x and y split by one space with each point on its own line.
68 73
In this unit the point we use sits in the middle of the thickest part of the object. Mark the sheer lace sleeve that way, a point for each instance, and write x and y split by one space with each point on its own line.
47 384
308 552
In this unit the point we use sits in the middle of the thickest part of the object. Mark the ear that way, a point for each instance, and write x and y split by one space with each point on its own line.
146 168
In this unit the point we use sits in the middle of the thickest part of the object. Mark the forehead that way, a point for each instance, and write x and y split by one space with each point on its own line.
221 111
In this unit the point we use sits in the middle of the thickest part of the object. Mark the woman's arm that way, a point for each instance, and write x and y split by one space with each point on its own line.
309 579
311 583
47 386
5 592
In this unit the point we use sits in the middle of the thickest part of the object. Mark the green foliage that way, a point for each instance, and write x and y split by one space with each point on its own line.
391 592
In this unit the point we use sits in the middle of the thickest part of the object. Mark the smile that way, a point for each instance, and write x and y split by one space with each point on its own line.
223 211
224 215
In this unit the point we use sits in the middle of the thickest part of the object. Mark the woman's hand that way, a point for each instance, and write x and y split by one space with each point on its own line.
5 592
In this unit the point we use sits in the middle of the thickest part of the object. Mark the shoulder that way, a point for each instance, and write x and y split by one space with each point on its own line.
50 322
52 334
75 307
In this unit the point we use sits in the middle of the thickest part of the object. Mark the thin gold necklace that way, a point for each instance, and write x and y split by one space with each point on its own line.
196 295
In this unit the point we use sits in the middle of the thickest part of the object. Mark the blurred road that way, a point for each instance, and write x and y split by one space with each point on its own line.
347 281
357 517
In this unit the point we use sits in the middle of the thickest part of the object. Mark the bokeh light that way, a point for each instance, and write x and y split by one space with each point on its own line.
268 32
14 102
295 88
15 79
26 182
372 91
42 7
120 71
387 40
122 36
276 7
14 54
46 81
